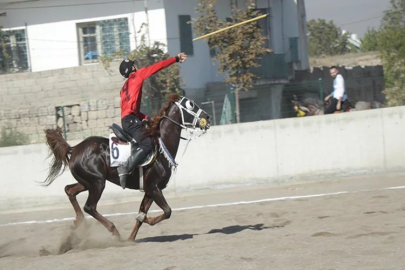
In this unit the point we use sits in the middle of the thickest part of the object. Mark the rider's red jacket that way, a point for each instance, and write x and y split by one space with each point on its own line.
131 92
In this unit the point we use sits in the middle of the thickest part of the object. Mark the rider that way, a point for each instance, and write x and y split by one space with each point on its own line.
339 93
131 117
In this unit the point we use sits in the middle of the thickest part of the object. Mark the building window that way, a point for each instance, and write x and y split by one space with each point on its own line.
103 38
13 51
265 25
213 52
186 35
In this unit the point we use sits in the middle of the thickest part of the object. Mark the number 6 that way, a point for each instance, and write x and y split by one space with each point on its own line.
115 151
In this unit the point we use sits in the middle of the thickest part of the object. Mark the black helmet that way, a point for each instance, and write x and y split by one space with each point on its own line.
126 67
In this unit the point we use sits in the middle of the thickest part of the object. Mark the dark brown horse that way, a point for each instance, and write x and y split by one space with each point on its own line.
89 162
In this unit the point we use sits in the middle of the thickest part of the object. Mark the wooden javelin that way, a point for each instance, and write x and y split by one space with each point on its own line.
229 27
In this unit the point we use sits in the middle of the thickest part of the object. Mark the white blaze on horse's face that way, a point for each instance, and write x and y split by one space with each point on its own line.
192 115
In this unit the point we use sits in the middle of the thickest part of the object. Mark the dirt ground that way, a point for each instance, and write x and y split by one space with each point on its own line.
351 223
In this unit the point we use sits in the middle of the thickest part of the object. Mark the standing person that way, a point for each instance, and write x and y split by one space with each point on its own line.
339 93
131 116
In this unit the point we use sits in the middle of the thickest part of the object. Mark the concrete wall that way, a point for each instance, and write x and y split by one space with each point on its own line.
268 151
297 149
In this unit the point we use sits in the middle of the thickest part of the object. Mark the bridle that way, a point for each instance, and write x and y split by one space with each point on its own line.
189 126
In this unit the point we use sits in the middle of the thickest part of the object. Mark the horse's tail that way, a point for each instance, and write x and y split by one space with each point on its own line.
60 150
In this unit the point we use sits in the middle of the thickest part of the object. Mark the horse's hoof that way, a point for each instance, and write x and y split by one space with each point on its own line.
131 241
77 224
74 226
117 236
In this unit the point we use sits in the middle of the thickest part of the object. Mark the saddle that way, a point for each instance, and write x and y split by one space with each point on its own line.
121 136
121 143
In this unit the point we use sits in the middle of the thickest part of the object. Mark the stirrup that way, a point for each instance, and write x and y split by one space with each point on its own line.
123 179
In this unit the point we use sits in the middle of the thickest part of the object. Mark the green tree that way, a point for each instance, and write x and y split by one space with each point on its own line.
391 43
395 96
325 38
11 137
239 49
159 85
369 42
5 57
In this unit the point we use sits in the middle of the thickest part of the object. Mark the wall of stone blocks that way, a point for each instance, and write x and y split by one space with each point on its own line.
31 102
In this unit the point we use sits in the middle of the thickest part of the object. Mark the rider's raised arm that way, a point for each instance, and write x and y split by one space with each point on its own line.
146 72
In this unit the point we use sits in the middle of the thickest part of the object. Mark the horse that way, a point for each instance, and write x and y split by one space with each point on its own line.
90 162
310 106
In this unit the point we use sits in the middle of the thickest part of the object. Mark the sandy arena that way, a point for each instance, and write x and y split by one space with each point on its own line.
350 223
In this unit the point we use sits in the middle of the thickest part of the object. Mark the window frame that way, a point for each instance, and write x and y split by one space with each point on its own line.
99 39
266 31
80 27
182 49
14 45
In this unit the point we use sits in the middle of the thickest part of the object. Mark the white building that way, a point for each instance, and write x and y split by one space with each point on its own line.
353 40
67 33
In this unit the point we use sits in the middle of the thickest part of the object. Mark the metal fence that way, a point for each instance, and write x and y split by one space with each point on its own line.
273 101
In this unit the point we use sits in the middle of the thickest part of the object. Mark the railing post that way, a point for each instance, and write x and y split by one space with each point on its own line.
320 86
147 104
231 95
213 109
64 123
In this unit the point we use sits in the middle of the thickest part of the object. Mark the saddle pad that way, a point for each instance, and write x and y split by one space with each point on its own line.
119 153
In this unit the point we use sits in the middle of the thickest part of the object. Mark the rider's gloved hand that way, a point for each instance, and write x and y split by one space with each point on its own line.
145 122
181 57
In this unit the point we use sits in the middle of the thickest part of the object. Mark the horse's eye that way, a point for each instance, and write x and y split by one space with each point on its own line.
189 105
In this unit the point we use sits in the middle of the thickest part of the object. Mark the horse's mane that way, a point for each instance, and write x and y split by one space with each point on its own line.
154 130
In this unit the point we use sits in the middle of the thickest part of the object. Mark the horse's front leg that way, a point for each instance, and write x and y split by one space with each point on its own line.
143 210
72 191
160 200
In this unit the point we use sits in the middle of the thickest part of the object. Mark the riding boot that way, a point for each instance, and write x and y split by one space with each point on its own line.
136 158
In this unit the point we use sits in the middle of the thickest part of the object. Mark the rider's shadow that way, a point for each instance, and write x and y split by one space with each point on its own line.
237 229
226 230
166 238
